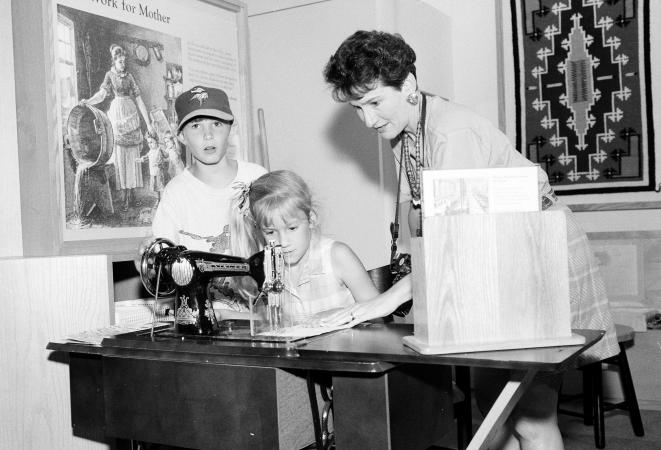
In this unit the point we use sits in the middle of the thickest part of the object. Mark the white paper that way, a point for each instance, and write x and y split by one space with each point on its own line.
480 191
302 331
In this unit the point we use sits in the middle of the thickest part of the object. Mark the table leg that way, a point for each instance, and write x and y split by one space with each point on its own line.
501 409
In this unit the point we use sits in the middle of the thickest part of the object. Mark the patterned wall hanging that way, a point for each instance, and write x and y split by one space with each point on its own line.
584 110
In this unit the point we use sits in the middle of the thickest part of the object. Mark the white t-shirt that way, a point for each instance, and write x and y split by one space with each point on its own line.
196 215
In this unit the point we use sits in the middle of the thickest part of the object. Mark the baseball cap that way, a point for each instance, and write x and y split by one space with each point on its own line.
202 101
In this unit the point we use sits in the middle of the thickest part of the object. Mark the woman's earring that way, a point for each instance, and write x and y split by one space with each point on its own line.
412 98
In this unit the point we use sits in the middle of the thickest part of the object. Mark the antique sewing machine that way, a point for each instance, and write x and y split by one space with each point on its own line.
168 269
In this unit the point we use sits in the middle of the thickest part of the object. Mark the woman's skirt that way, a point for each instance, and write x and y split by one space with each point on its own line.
128 168
587 293
125 120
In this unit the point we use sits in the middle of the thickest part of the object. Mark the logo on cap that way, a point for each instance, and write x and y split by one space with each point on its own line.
200 95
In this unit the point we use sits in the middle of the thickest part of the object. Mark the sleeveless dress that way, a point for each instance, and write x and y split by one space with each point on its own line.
318 288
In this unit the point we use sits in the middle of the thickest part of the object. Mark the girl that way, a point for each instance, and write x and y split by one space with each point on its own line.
155 158
320 274
175 164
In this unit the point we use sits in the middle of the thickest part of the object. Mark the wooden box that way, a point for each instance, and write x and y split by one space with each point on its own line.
491 282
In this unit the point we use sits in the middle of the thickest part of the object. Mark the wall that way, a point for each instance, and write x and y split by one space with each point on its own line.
593 221
350 171
462 82
474 53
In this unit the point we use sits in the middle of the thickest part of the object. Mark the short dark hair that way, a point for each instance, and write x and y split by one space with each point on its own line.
365 58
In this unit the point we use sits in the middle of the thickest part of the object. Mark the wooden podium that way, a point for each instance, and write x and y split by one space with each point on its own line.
491 282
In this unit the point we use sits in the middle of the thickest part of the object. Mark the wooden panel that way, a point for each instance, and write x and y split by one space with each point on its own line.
10 203
493 278
45 299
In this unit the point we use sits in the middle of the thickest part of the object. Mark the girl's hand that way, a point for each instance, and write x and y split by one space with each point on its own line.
352 315
376 307
326 318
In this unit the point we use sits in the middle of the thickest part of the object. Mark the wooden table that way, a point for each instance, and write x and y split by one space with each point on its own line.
171 390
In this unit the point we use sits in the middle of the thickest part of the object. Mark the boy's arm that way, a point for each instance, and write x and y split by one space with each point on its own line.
165 223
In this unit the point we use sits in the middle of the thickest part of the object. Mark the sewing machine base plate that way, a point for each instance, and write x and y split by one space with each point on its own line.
234 329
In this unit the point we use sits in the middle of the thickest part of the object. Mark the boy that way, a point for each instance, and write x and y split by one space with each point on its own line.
194 210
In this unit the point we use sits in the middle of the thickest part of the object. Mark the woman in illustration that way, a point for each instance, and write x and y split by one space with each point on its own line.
124 114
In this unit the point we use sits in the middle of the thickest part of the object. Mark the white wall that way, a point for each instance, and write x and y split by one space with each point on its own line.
474 62
350 171
308 132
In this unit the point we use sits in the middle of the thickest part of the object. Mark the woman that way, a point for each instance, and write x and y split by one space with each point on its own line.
124 114
375 73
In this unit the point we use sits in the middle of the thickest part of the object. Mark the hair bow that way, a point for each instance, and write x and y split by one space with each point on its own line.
242 196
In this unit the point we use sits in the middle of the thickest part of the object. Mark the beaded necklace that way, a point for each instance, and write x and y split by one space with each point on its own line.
415 162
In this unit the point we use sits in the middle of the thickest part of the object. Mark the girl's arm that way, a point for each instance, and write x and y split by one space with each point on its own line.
379 306
370 304
351 271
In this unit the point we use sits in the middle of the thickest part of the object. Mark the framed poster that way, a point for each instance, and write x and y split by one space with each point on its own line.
97 125
583 80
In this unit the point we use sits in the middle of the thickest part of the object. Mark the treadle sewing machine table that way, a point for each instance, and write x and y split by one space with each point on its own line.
210 393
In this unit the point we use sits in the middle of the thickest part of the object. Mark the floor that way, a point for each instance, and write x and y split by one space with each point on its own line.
577 436
619 434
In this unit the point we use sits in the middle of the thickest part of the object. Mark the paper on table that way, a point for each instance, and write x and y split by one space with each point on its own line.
302 331
94 337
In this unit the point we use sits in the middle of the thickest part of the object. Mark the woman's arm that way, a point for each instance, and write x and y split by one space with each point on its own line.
98 97
143 111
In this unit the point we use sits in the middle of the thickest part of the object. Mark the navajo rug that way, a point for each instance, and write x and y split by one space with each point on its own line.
582 78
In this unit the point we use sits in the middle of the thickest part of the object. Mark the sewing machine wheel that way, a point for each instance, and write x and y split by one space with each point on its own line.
149 269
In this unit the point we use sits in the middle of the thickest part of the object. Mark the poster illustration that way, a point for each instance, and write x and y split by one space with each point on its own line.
121 66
